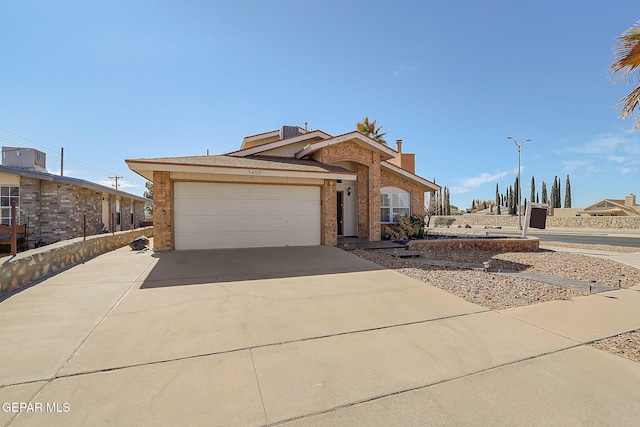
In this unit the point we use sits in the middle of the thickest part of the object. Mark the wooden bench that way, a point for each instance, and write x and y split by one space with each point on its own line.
5 235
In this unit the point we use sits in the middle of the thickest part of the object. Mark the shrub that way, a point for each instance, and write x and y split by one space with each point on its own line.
405 228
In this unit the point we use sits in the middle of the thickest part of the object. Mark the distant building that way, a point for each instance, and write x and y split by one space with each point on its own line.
606 207
53 206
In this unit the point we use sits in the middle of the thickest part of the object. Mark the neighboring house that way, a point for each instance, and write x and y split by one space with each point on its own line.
613 207
285 187
53 206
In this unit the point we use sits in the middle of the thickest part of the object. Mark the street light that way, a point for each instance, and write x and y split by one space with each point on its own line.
519 146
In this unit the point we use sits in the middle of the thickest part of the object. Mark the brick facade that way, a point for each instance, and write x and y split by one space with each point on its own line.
416 190
329 218
365 163
368 179
162 211
55 211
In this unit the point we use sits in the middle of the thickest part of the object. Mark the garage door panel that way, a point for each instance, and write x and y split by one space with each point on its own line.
225 215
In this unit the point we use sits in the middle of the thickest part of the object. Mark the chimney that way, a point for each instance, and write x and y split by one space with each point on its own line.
399 143
630 200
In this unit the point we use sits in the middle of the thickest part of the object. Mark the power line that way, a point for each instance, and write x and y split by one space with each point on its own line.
68 160
116 179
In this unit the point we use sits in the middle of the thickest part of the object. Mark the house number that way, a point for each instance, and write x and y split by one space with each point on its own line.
251 172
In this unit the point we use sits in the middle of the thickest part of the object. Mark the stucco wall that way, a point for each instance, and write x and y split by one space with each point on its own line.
34 264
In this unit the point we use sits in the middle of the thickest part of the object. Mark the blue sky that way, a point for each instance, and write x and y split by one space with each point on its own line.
126 79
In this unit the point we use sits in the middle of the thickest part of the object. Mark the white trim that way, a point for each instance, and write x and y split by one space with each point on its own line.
260 136
347 137
411 176
277 144
142 167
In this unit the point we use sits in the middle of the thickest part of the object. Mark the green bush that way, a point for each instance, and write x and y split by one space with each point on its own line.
406 228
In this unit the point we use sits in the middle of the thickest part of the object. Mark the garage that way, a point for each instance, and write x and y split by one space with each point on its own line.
230 215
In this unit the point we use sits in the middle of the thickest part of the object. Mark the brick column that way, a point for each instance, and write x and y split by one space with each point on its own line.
330 220
374 198
363 201
162 212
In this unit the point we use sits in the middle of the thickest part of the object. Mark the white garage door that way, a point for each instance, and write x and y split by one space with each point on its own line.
221 215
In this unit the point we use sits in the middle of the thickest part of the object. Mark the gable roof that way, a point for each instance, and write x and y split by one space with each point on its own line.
355 136
238 166
280 143
618 206
66 180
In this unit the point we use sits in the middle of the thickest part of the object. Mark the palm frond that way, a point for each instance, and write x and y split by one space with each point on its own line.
626 54
628 104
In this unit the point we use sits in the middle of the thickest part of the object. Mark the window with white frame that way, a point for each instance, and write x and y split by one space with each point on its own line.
393 202
8 194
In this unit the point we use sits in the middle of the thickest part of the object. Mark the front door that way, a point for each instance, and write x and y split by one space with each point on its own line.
340 212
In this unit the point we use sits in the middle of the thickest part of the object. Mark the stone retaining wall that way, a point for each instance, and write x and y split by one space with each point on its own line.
34 264
603 222
529 244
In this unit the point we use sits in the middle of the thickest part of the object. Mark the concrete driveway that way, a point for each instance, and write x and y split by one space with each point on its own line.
301 336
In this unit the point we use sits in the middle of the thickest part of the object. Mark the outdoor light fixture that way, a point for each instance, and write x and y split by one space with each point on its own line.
519 189
349 191
331 183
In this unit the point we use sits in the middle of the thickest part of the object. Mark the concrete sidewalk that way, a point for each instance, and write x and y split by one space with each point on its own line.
302 336
628 258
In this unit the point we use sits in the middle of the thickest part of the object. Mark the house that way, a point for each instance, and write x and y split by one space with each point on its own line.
53 207
289 186
613 207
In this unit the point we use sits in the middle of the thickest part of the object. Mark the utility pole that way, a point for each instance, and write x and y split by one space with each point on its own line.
519 147
116 179
61 161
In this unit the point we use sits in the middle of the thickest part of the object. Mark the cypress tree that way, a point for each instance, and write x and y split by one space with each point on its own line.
497 196
512 209
545 199
432 201
552 201
447 203
567 193
473 205
533 189
558 194
537 197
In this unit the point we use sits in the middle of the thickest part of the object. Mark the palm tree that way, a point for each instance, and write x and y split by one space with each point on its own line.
369 129
626 61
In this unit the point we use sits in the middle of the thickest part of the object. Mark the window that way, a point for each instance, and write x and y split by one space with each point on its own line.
8 194
393 202
118 214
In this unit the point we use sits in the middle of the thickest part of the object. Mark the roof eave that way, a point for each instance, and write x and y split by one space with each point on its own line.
277 144
144 167
386 152
432 185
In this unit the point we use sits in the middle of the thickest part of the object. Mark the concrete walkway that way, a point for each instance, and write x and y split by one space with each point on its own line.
301 336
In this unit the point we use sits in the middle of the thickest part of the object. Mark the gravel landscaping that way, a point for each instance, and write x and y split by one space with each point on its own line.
625 345
498 292
607 248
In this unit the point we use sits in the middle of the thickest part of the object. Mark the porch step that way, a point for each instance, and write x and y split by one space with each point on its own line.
354 243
